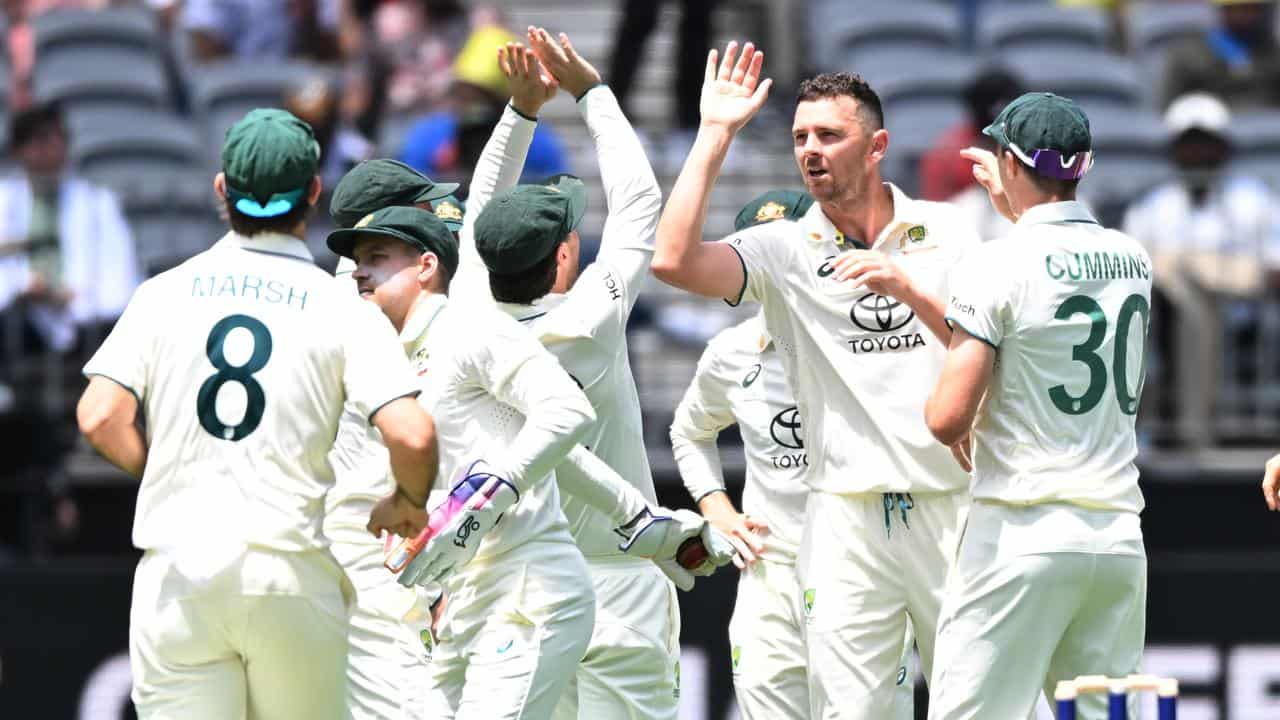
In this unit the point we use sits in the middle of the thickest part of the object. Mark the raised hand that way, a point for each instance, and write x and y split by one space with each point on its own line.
986 171
733 93
563 62
531 87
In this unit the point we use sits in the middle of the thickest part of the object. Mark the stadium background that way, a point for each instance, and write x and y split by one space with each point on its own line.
145 117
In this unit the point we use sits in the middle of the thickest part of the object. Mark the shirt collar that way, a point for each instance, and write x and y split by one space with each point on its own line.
907 213
1069 211
420 319
524 312
270 244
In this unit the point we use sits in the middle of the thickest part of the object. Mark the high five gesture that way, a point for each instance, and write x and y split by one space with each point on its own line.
733 94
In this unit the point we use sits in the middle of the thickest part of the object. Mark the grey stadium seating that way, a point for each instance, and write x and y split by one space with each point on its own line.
1041 27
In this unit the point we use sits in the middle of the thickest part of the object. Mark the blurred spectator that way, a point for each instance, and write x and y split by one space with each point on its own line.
1225 224
67 268
66 254
446 145
20 40
418 40
1213 244
333 112
1238 61
639 18
943 173
268 29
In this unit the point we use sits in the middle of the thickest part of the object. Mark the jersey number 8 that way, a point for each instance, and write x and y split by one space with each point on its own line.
1086 352
255 398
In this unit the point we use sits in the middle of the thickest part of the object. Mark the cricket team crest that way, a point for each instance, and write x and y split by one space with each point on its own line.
365 220
809 595
419 361
446 210
771 211
736 655
427 643
917 234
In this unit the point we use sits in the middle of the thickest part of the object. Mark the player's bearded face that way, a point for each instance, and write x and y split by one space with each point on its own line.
387 274
831 147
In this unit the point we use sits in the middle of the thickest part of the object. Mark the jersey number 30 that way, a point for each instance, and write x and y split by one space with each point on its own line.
255 398
1087 353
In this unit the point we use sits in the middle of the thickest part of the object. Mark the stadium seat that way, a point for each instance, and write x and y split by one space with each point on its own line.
1154 26
123 27
914 128
173 216
1041 27
909 25
102 77
903 75
123 149
222 92
1090 77
1255 131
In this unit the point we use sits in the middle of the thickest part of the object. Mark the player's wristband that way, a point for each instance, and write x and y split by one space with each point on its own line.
516 110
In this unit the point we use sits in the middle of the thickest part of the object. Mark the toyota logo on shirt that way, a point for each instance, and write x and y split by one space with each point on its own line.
785 429
880 313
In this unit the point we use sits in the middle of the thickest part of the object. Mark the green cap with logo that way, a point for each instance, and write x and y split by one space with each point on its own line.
450 210
419 228
522 225
1047 132
268 159
773 205
375 184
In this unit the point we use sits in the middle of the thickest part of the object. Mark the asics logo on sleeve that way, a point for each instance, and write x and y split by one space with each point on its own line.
826 268
463 534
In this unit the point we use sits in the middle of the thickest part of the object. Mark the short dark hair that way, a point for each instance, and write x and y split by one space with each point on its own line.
837 84
526 286
29 122
248 225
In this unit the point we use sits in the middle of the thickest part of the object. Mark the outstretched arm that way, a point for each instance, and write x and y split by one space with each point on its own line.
731 96
952 407
502 160
631 190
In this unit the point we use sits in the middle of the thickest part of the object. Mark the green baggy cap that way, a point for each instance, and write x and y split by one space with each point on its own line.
773 205
522 225
268 158
419 228
1047 132
376 184
450 210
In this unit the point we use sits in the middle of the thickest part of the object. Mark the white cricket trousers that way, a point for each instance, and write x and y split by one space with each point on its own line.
630 669
512 634
386 654
1039 594
264 638
869 563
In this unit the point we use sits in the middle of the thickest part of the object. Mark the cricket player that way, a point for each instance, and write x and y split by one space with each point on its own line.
390 625
631 666
740 380
850 295
239 362
1050 581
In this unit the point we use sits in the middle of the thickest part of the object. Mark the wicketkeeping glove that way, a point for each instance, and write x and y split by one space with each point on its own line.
454 528
683 544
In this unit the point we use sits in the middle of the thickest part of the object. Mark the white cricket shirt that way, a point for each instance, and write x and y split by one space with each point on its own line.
585 328
861 364
361 463
1065 302
740 379
497 395
242 358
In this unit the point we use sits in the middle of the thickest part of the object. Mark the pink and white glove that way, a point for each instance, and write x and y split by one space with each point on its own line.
454 528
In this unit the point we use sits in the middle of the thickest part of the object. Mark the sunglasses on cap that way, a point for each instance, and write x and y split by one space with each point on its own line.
1052 163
